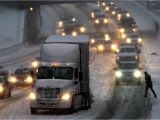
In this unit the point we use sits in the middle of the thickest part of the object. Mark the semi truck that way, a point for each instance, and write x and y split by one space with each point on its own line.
63 75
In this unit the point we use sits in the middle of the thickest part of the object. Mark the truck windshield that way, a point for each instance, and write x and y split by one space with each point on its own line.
128 65
127 50
46 72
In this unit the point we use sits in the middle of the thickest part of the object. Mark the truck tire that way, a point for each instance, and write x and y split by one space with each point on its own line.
33 110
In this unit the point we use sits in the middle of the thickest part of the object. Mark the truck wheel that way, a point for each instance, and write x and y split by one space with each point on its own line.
33 110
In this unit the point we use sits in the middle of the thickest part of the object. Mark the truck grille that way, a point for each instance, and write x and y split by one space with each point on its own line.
128 74
48 93
127 58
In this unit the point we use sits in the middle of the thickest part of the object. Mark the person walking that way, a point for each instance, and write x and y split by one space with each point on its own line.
149 84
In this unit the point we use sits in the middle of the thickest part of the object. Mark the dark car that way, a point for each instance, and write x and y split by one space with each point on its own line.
23 77
5 87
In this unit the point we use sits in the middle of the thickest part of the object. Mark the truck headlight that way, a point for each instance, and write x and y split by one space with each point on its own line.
60 23
101 48
1 88
97 21
118 74
105 21
35 64
29 79
82 29
32 96
137 73
12 79
74 33
66 96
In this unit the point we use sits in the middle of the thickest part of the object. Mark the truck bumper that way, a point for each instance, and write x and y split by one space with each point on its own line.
50 104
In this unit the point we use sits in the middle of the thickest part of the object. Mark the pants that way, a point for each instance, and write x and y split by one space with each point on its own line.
151 88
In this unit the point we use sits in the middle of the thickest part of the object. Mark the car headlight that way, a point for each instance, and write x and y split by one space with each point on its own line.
73 19
105 21
74 33
113 12
122 30
119 15
63 34
12 79
97 21
123 36
128 40
82 29
92 15
103 3
114 47
128 15
29 79
92 41
107 37
35 64
66 96
60 23
137 73
1 88
32 96
139 40
107 8
101 48
118 74
134 30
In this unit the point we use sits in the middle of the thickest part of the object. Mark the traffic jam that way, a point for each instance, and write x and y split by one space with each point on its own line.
59 77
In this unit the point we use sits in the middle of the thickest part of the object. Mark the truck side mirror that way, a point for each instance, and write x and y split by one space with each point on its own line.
80 76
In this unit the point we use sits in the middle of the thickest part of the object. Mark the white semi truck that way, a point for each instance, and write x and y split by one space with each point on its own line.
63 75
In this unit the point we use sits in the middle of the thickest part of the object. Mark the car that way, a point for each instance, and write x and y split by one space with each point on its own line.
23 77
134 38
95 12
122 14
128 72
100 19
5 87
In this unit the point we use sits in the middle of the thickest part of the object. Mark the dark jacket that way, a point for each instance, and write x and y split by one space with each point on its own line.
148 80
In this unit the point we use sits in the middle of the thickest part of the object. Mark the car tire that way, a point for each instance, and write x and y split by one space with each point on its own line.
9 94
72 109
33 111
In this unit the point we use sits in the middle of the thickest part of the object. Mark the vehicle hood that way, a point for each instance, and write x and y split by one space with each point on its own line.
54 83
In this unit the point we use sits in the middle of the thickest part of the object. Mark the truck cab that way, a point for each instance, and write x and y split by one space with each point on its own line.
63 75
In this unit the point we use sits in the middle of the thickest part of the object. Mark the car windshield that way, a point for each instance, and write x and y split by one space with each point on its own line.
127 50
45 72
127 22
101 16
133 36
128 65
98 35
22 71
127 58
